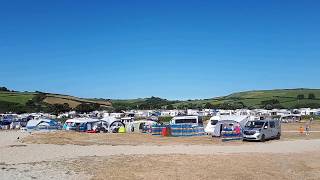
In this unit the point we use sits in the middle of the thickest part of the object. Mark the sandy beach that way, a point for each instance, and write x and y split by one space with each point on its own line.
142 156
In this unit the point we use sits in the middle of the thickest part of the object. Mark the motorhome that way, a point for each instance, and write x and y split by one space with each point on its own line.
194 120
262 130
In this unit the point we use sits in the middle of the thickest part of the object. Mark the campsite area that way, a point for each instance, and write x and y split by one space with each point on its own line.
72 155
290 132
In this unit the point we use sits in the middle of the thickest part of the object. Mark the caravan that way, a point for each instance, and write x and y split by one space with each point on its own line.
194 120
211 125
231 121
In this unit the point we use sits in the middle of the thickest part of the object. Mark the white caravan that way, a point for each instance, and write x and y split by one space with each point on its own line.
194 120
215 124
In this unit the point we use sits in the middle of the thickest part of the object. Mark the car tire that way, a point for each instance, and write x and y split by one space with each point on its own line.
278 136
263 138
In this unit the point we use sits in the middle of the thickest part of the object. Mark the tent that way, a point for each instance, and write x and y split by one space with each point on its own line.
43 124
80 124
231 120
143 125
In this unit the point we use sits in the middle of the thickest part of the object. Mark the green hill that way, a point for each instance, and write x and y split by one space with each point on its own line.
280 98
37 101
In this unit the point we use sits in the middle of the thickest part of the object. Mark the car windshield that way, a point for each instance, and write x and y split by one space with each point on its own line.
255 124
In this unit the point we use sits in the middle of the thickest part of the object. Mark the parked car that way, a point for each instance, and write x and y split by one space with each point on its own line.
262 130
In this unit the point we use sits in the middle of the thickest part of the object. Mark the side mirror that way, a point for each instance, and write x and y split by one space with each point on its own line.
266 127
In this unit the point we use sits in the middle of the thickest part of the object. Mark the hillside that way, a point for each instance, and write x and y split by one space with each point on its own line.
280 98
27 101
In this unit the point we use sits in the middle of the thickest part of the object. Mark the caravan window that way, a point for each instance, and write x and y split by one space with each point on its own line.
214 122
185 121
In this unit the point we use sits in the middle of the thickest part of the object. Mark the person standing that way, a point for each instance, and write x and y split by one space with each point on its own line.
308 129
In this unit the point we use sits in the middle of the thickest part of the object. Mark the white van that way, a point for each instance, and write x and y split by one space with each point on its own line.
195 120
262 130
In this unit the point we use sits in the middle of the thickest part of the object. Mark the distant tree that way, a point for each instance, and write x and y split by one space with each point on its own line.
87 107
307 105
311 96
59 108
39 97
170 107
271 101
4 89
208 106
300 96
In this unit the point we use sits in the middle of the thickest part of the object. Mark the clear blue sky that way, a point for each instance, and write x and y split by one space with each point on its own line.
171 49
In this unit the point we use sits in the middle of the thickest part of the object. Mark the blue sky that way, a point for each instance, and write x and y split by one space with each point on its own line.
171 49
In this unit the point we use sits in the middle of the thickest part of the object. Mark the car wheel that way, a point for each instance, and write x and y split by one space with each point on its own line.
278 136
263 138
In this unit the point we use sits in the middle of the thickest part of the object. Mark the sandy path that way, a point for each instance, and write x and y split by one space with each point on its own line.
13 152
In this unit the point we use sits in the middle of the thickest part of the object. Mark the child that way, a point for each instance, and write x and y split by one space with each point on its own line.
301 130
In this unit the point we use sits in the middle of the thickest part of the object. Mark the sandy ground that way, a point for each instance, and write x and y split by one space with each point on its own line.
63 155
290 132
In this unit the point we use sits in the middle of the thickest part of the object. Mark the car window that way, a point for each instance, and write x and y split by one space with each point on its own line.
272 124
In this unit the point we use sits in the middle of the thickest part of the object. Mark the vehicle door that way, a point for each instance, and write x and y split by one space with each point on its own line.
273 129
267 130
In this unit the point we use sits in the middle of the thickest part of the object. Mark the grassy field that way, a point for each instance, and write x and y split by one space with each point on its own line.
23 97
16 97
286 97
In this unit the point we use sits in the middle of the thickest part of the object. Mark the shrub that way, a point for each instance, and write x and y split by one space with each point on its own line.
311 96
300 96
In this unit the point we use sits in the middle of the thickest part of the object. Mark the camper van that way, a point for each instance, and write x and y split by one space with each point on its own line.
194 120
262 130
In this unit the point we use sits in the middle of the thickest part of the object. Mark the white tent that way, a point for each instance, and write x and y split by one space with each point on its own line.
71 124
232 120
42 124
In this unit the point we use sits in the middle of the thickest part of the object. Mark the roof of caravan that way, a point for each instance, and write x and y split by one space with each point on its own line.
291 115
185 117
233 118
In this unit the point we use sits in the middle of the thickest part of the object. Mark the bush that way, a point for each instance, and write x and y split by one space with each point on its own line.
87 107
208 106
311 96
164 119
170 107
59 108
300 96
4 89
11 107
